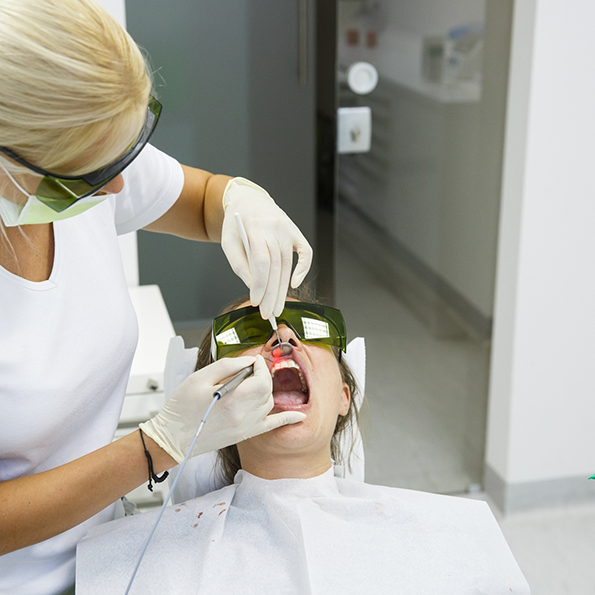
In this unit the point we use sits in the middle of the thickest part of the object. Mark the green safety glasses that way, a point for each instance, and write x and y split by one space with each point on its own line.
243 328
60 192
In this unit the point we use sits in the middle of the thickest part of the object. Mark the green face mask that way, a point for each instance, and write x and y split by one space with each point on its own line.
35 212
244 328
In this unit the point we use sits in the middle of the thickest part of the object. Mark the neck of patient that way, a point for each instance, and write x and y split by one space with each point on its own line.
286 466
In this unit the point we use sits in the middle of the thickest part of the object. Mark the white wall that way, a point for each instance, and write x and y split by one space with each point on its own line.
116 8
542 390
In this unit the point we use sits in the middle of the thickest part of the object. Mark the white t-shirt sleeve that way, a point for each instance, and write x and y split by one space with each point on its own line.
152 184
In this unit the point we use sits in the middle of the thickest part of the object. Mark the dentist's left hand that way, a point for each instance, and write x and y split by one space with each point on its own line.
273 238
239 415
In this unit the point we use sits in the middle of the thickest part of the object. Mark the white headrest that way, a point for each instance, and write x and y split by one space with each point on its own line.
179 364
356 360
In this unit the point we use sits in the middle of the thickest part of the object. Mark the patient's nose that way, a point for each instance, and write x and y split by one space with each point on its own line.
289 340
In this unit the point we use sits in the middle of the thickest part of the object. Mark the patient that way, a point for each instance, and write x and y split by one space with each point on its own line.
286 524
314 378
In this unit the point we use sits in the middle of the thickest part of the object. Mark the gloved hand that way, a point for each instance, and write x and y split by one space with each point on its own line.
273 238
237 416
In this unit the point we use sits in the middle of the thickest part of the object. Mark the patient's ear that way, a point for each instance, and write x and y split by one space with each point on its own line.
345 399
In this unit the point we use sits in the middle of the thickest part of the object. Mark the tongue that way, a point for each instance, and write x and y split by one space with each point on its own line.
290 398
287 388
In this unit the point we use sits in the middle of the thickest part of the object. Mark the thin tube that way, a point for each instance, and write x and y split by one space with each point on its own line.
228 386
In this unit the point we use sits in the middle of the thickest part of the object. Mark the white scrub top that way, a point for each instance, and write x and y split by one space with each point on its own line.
66 347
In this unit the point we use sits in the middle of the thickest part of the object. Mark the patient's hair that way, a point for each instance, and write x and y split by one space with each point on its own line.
228 459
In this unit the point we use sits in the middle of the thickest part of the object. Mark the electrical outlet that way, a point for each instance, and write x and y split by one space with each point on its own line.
354 129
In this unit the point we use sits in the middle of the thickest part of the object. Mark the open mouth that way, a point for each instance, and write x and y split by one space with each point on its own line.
290 387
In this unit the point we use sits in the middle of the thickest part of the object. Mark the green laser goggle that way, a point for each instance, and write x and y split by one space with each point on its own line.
244 328
60 192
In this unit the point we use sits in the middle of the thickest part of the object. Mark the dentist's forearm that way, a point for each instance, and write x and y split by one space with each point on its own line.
197 214
37 507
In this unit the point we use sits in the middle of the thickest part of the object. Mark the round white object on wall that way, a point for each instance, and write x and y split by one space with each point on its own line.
362 77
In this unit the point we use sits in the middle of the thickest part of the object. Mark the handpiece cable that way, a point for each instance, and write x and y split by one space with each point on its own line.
228 386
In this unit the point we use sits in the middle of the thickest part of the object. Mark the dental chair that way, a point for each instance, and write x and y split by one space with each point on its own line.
198 477
394 540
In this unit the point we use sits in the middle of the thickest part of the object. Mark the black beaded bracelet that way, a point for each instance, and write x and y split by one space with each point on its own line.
152 475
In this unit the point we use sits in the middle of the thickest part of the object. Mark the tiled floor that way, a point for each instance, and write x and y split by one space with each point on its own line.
424 418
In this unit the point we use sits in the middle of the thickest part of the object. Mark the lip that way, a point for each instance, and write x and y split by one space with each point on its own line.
304 408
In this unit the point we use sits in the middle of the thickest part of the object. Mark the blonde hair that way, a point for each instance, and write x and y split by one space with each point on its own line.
72 84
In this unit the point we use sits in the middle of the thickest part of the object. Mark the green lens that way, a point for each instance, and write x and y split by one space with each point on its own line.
239 330
244 328
59 194
315 323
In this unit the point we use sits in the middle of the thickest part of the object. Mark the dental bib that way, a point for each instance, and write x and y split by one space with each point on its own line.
305 536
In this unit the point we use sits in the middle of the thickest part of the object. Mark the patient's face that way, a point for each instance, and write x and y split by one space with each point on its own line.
308 380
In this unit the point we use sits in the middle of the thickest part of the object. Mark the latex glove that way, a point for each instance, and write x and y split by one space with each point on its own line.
273 237
237 416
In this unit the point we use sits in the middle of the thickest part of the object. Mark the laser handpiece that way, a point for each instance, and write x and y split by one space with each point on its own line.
235 381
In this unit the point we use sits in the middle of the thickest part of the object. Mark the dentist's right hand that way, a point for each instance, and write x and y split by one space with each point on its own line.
239 415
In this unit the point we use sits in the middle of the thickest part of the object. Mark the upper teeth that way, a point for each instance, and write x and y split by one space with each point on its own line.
289 363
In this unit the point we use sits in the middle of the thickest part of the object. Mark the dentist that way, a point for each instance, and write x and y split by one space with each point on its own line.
76 114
